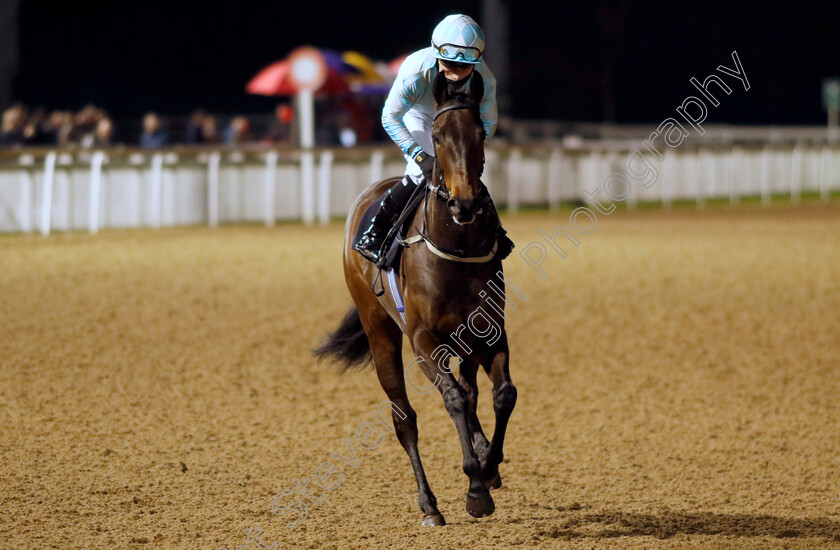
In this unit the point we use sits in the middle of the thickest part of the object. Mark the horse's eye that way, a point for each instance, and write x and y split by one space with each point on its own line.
436 138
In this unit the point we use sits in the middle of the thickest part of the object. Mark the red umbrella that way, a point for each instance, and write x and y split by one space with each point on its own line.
276 80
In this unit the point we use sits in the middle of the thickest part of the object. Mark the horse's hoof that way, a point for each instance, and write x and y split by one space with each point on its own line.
481 506
433 520
494 483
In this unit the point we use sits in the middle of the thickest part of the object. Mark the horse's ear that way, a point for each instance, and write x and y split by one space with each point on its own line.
476 86
439 88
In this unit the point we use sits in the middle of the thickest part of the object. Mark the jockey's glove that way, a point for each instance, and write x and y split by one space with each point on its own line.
426 163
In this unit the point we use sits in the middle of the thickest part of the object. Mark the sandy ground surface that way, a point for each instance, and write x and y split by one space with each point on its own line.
678 380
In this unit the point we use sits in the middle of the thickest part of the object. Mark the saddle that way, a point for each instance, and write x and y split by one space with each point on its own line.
397 233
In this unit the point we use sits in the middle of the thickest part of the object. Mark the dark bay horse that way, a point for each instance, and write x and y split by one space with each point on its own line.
441 278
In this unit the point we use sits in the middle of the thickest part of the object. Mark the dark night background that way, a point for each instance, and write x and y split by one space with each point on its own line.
594 61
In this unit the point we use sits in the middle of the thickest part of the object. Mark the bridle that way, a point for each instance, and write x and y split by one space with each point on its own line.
441 192
439 188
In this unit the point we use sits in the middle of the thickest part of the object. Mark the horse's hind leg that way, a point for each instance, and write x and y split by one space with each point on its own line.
386 347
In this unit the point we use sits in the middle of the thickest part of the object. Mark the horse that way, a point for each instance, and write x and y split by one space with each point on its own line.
441 284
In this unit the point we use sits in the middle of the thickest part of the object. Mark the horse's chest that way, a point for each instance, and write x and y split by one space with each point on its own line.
447 304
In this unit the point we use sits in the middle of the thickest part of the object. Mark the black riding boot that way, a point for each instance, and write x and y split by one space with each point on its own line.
372 243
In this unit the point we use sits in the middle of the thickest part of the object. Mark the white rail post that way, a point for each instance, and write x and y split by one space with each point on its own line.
634 190
554 178
730 175
307 182
607 164
324 183
697 177
766 198
213 164
377 165
307 158
668 178
155 185
596 159
94 192
25 200
270 187
713 168
796 174
46 196
825 158
513 177
747 171
306 108
575 177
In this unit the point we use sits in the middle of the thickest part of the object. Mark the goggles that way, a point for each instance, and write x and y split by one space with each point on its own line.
458 53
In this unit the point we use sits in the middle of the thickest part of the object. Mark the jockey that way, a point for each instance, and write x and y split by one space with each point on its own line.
409 112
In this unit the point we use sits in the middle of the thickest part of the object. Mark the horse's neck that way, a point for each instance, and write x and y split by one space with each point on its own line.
442 229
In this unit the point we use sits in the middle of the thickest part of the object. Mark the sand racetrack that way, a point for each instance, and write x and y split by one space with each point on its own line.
678 380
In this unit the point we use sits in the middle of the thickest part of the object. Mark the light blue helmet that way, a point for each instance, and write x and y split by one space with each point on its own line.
458 38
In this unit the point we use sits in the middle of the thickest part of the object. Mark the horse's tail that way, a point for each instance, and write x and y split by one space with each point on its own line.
348 344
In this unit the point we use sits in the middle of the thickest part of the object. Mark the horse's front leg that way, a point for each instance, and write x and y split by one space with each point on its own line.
467 379
496 363
457 403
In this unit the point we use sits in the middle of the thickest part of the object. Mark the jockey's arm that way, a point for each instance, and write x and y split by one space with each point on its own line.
488 109
402 97
405 94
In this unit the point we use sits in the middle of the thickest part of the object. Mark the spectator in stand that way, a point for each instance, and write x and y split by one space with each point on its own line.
11 130
84 125
210 130
33 130
50 128
280 131
59 128
153 137
104 134
194 134
239 131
